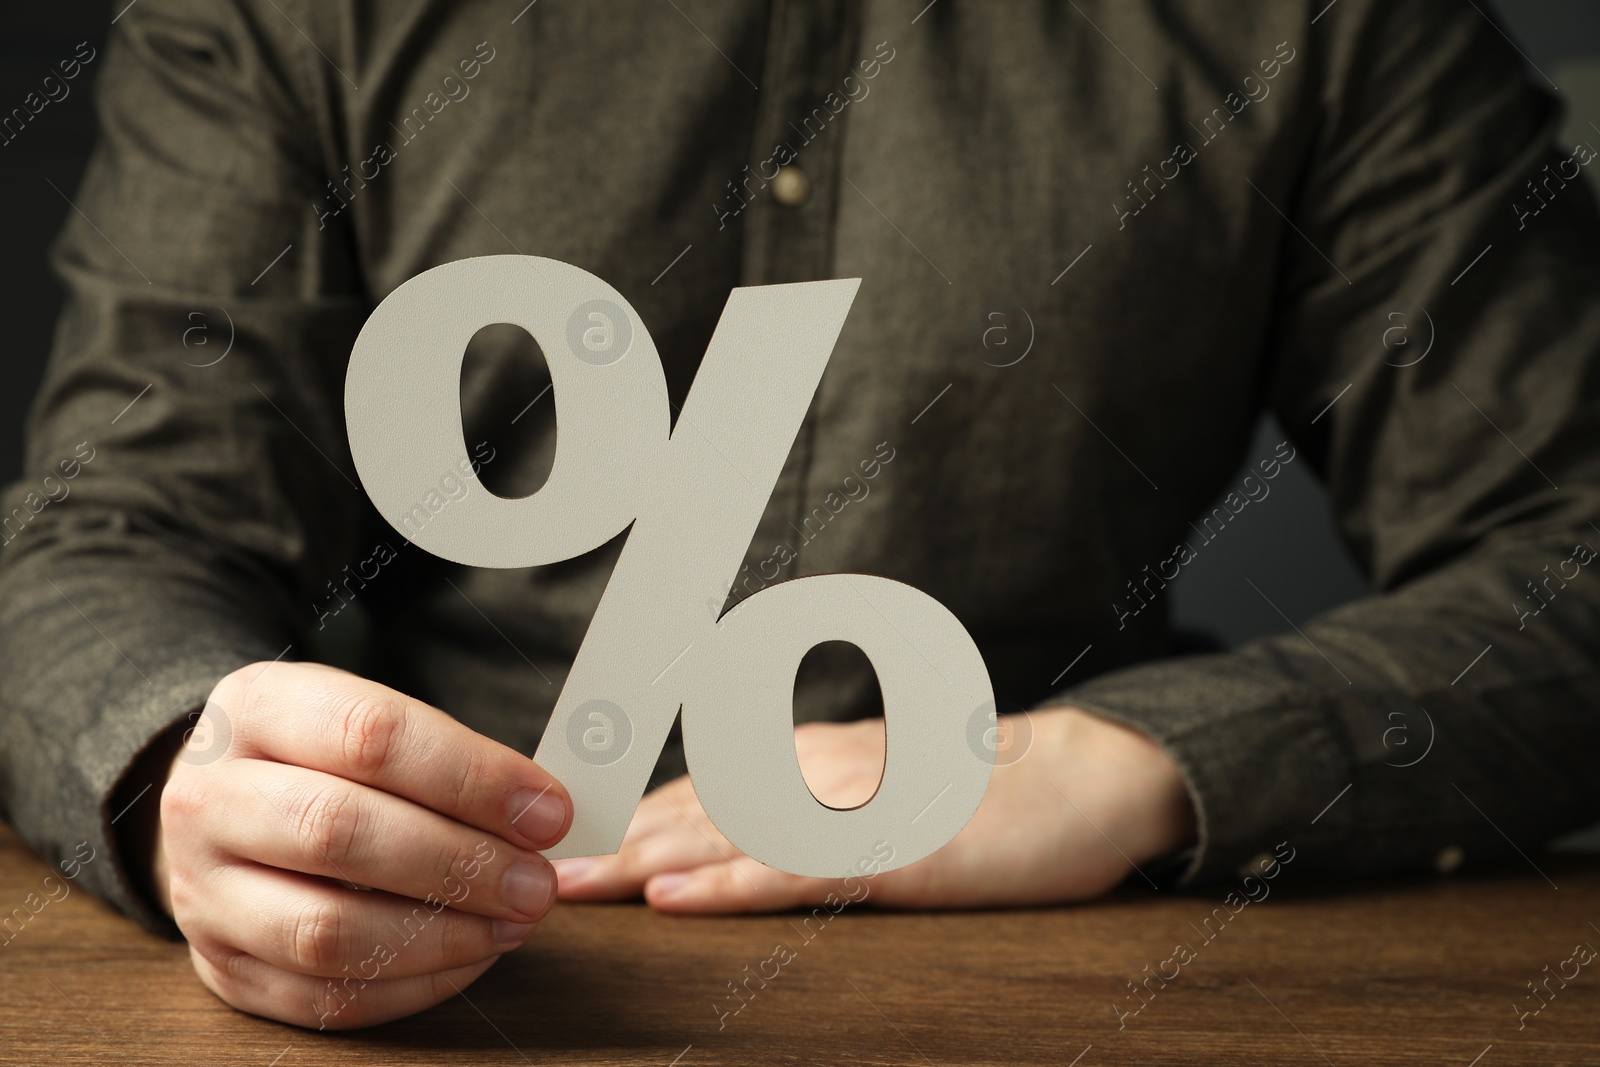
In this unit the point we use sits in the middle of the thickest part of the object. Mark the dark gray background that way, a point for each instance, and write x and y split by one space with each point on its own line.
1287 546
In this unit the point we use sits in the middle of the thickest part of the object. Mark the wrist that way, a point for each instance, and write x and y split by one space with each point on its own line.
138 831
1147 809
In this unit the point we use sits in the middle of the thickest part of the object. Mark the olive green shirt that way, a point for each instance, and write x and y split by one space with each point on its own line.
1185 214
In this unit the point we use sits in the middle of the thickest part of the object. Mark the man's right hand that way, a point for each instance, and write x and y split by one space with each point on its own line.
317 779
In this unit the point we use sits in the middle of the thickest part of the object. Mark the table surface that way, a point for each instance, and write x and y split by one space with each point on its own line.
1428 971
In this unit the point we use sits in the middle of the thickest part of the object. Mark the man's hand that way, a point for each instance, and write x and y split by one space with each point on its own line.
1066 821
325 782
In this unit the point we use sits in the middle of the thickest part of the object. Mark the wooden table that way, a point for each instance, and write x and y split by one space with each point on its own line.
1423 972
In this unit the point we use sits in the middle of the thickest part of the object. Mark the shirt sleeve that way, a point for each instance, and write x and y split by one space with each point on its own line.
207 323
1457 707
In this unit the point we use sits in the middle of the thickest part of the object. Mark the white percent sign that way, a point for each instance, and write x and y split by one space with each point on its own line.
694 497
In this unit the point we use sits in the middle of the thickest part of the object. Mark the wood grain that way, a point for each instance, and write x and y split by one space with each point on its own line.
1403 973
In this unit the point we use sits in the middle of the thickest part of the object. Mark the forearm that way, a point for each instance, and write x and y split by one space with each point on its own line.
1395 729
107 642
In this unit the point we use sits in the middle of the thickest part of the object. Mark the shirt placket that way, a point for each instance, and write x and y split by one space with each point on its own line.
790 190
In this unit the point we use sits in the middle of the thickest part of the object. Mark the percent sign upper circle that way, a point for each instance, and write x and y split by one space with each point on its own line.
612 417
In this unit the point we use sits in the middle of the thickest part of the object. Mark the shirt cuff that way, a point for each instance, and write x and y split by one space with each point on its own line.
105 760
1258 756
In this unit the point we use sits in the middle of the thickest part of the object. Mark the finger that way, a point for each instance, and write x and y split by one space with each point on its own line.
314 823
666 835
257 987
745 885
622 876
315 927
666 808
344 725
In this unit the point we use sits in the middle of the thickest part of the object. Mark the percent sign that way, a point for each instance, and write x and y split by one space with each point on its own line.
694 495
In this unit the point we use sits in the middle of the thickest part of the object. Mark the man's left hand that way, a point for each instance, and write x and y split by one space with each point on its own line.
1070 819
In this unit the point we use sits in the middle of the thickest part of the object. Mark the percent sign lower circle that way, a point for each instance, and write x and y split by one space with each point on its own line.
694 494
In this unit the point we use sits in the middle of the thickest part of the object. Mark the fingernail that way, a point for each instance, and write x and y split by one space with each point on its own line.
573 871
537 816
528 888
508 935
668 885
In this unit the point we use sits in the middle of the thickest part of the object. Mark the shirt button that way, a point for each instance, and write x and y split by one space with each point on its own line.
790 186
1448 859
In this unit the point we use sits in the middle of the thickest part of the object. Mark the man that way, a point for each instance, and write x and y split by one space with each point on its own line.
1204 210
